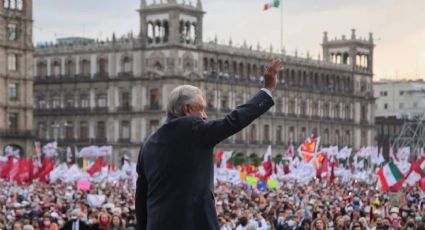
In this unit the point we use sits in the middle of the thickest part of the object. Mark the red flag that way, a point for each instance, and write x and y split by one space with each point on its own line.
30 170
250 169
6 170
286 169
23 173
97 166
332 178
46 168
219 156
268 168
14 171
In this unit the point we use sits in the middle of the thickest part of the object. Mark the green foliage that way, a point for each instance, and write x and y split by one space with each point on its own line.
255 160
238 159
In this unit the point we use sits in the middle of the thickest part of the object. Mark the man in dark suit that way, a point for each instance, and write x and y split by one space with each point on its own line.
75 223
175 166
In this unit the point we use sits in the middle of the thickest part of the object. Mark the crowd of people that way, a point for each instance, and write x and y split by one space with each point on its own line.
315 205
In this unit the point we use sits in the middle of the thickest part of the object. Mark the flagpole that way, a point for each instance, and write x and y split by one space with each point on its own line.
281 27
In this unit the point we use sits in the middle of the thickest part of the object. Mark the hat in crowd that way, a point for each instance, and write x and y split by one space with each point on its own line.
28 227
377 202
394 210
54 215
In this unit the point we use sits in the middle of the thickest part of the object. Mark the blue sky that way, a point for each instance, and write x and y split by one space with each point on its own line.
398 25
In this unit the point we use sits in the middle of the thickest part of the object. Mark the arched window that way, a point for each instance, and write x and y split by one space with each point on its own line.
41 70
69 130
364 113
347 137
337 137
279 106
303 108
157 66
347 112
337 111
126 64
56 69
291 107
6 4
69 68
292 81
326 110
85 67
291 134
102 66
101 100
253 133
266 134
241 70
56 102
206 64
326 137
279 134
303 135
314 132
315 109
69 101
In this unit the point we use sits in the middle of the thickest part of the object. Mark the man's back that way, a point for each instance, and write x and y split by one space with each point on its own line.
180 176
175 167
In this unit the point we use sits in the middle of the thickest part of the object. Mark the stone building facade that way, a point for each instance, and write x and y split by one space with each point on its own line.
16 76
115 91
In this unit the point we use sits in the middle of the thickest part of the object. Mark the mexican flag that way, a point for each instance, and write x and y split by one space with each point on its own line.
271 4
390 177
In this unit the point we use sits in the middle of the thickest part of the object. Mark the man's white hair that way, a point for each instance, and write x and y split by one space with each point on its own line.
180 96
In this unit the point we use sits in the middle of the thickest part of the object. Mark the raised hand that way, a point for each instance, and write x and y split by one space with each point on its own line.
270 76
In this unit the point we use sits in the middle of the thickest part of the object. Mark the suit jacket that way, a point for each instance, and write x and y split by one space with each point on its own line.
175 169
82 225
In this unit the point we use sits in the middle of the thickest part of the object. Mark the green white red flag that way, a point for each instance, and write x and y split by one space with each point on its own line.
272 4
390 177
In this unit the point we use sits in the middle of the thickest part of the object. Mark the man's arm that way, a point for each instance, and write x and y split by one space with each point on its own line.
212 132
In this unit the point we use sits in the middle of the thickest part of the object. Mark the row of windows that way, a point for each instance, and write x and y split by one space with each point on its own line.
70 130
84 67
385 93
13 4
401 105
289 76
83 100
291 107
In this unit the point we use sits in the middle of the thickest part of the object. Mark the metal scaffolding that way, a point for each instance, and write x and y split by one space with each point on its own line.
412 135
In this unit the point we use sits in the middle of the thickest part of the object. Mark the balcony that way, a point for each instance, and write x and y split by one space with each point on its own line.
60 111
153 107
280 143
125 75
125 108
100 140
15 133
266 142
101 76
100 109
124 140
